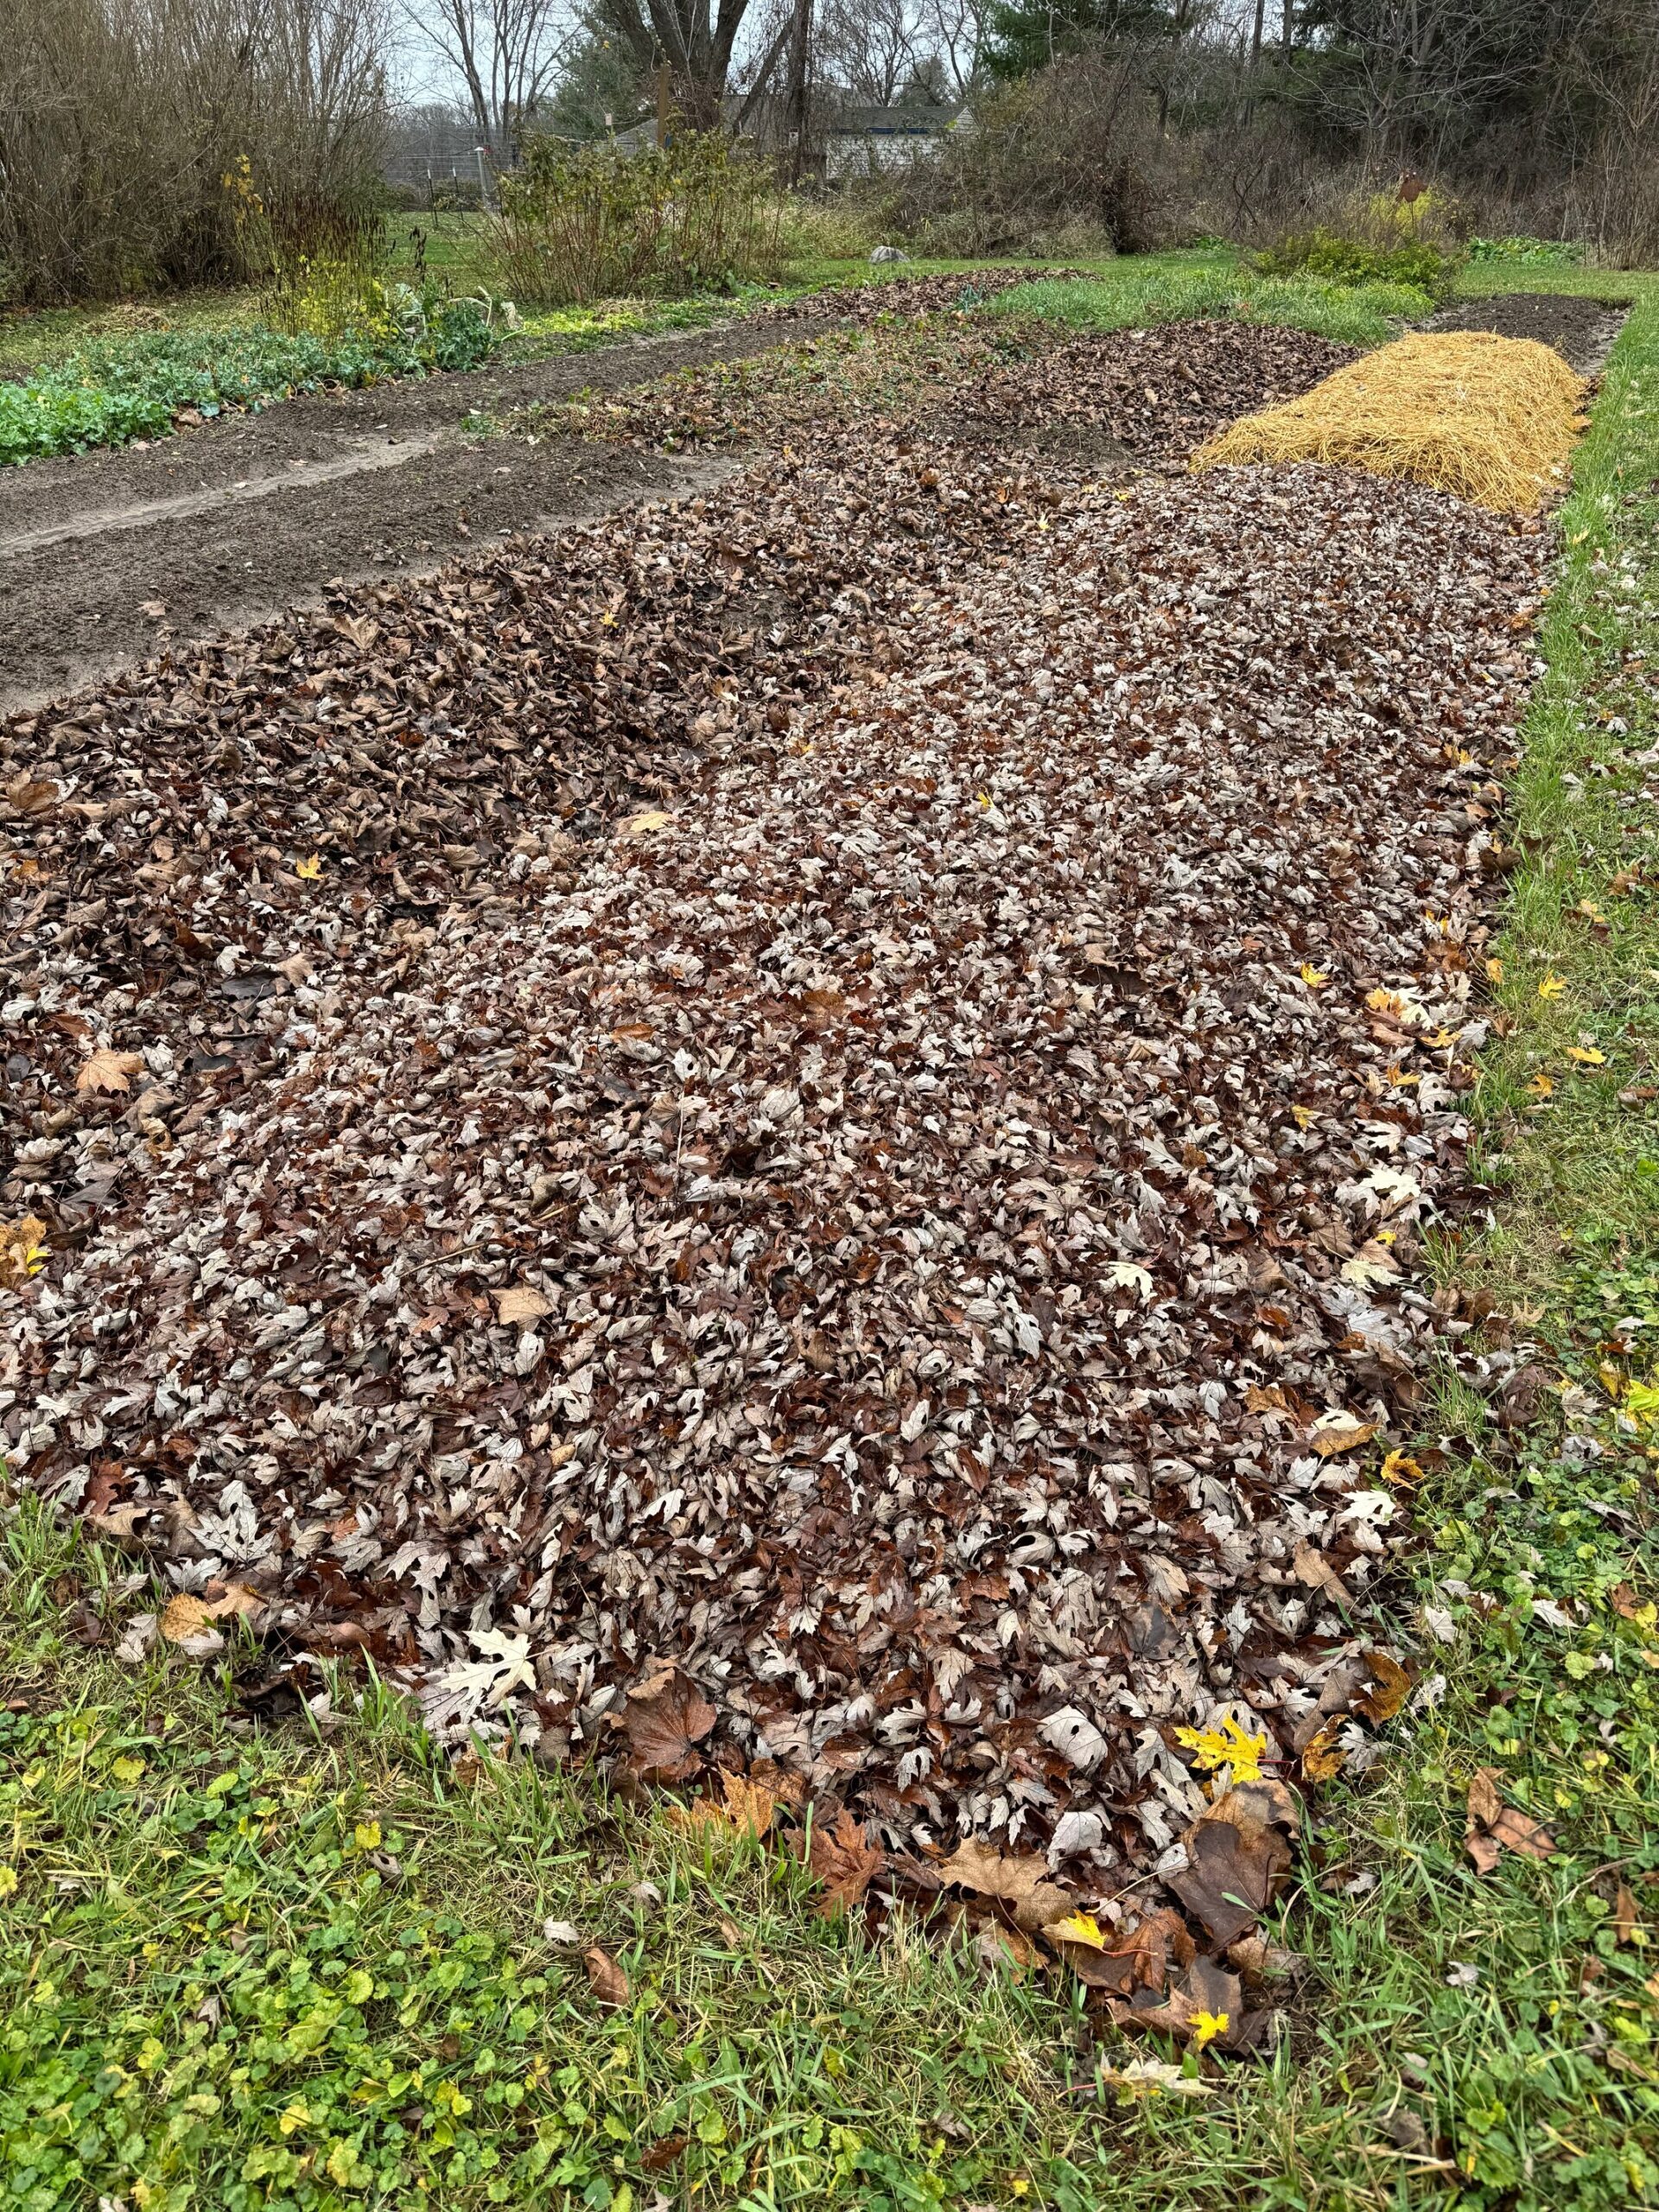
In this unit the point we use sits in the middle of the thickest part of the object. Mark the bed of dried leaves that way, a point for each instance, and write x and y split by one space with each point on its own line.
884 298
790 1138
1004 387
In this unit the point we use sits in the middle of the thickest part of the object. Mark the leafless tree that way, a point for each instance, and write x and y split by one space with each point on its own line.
870 47
955 30
506 53
695 40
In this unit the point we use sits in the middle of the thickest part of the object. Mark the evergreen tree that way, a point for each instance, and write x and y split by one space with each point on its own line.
1027 34
600 89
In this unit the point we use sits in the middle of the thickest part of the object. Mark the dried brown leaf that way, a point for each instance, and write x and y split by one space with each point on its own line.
665 1727
844 1861
1018 1879
1390 1686
605 1978
108 1069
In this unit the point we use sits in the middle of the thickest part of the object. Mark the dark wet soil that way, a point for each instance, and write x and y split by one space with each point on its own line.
1583 331
106 557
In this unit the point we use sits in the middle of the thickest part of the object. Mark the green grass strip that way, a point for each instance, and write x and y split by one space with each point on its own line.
1134 294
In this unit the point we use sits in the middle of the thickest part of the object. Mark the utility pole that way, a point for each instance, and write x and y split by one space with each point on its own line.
662 103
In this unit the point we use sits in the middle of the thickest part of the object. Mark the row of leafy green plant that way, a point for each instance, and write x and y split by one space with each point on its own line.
122 389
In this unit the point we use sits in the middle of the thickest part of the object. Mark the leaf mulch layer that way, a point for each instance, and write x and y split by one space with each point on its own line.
791 1138
880 298
1136 397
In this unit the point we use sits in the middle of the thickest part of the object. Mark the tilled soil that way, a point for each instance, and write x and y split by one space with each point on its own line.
1582 330
109 557
837 1089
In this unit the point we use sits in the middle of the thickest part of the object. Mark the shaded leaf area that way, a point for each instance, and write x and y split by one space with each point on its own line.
968 1142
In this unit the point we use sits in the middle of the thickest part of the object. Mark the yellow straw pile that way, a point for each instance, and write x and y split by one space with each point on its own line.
1493 419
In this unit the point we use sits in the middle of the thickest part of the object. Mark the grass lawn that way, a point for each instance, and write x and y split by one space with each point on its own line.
309 1967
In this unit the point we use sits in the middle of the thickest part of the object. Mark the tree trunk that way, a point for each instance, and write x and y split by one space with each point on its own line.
800 46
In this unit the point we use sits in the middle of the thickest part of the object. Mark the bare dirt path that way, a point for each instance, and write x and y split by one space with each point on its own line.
107 557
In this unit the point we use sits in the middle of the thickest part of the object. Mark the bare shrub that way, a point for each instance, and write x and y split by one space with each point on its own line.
589 222
120 120
1070 150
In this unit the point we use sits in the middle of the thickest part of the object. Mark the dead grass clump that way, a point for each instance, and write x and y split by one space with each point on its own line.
1493 419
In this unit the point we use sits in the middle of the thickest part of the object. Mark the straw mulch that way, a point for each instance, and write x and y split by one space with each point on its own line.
1492 419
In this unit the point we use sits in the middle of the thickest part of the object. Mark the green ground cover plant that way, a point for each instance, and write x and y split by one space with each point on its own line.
120 388
1548 253
1325 253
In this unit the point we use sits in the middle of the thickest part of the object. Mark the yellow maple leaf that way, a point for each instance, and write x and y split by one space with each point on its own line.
1552 987
1381 1002
1586 1056
1228 1745
310 869
1401 1467
1495 970
1541 1086
1079 1928
1302 1115
1206 2026
1315 978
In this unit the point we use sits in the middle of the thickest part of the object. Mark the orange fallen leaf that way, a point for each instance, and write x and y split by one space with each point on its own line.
1323 1760
844 1861
1342 1437
1399 1467
745 1808
1390 1688
185 1616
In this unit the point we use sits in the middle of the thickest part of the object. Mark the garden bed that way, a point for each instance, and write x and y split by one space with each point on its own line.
816 1109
